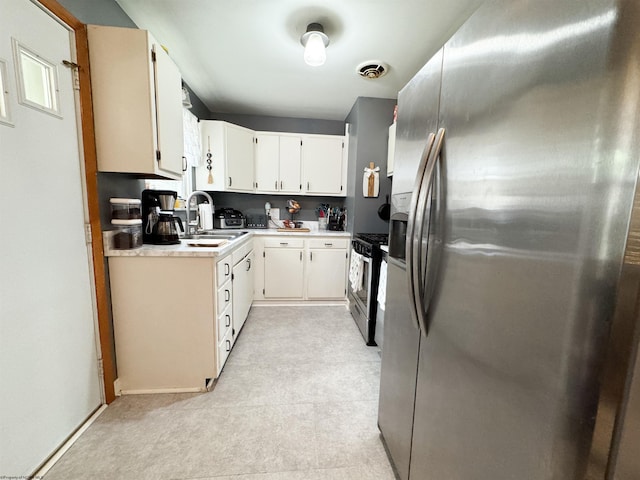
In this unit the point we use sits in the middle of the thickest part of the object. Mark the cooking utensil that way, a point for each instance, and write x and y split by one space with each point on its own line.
384 212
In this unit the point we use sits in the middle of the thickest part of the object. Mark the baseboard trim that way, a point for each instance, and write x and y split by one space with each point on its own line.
51 461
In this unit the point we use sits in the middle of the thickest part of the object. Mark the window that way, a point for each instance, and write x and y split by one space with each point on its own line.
37 80
5 115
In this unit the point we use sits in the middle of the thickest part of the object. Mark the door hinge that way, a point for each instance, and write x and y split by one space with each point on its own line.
158 156
87 233
153 56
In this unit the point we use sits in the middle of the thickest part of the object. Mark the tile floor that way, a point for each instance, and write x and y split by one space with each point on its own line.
296 400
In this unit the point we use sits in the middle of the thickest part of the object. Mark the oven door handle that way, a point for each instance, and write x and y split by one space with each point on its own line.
411 227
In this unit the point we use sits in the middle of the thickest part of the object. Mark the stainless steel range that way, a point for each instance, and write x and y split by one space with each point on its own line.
363 296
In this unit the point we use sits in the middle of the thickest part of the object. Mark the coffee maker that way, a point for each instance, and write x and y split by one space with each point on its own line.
158 220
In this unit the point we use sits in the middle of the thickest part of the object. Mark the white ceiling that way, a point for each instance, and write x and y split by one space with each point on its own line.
245 56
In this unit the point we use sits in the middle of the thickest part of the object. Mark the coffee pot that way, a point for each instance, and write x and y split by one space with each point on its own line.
165 230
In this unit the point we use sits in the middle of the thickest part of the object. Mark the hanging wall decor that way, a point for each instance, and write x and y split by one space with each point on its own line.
209 161
371 181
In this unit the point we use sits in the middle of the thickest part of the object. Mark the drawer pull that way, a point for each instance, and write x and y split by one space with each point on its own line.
227 295
228 345
328 244
228 322
284 243
227 269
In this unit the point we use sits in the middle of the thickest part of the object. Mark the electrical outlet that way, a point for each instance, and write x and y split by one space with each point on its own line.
275 214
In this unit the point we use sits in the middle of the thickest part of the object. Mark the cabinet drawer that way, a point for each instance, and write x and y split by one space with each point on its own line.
224 268
286 242
224 348
329 243
225 322
225 296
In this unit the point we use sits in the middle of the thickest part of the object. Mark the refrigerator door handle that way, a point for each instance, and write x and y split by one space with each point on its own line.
411 224
423 290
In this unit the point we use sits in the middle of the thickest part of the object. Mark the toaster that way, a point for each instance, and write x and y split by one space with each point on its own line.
228 218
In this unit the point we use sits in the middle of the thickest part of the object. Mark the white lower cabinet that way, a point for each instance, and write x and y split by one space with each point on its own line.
298 268
242 290
176 318
326 273
283 268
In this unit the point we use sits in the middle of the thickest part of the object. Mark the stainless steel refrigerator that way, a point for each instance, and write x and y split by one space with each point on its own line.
511 322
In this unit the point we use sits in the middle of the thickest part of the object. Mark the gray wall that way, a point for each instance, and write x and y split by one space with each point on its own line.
369 122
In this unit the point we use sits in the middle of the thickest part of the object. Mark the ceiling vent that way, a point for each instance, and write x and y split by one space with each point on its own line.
372 69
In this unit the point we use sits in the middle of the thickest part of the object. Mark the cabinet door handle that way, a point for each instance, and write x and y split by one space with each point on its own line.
228 322
184 164
307 185
301 255
227 269
311 256
280 184
227 295
248 264
228 345
230 181
328 244
276 185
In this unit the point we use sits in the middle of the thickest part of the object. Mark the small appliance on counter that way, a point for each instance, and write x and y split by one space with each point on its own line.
158 219
229 218
259 220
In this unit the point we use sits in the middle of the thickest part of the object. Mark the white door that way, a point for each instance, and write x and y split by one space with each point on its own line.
326 273
242 291
283 273
322 164
168 88
267 157
49 374
239 161
290 163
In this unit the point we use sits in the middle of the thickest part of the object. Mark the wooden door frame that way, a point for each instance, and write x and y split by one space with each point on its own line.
93 203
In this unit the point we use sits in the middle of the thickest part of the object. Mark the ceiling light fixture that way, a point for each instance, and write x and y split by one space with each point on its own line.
314 41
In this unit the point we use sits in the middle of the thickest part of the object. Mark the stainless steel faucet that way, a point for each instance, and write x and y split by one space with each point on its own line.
188 209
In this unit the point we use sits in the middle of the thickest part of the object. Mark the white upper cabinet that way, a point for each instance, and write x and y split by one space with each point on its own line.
277 161
232 152
137 103
323 165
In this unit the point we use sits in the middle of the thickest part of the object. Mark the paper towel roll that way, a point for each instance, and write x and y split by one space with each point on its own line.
205 216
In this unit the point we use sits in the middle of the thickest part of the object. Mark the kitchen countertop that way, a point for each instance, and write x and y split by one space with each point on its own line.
184 250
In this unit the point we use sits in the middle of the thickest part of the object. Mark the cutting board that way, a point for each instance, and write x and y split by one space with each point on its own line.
294 230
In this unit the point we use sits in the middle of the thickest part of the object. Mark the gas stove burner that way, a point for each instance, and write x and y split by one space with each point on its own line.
373 238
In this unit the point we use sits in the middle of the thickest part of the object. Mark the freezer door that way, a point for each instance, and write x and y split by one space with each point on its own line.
540 164
418 104
398 372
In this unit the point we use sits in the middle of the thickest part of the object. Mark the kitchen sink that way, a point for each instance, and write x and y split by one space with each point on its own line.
215 236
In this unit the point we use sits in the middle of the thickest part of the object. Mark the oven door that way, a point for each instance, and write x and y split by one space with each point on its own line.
360 299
